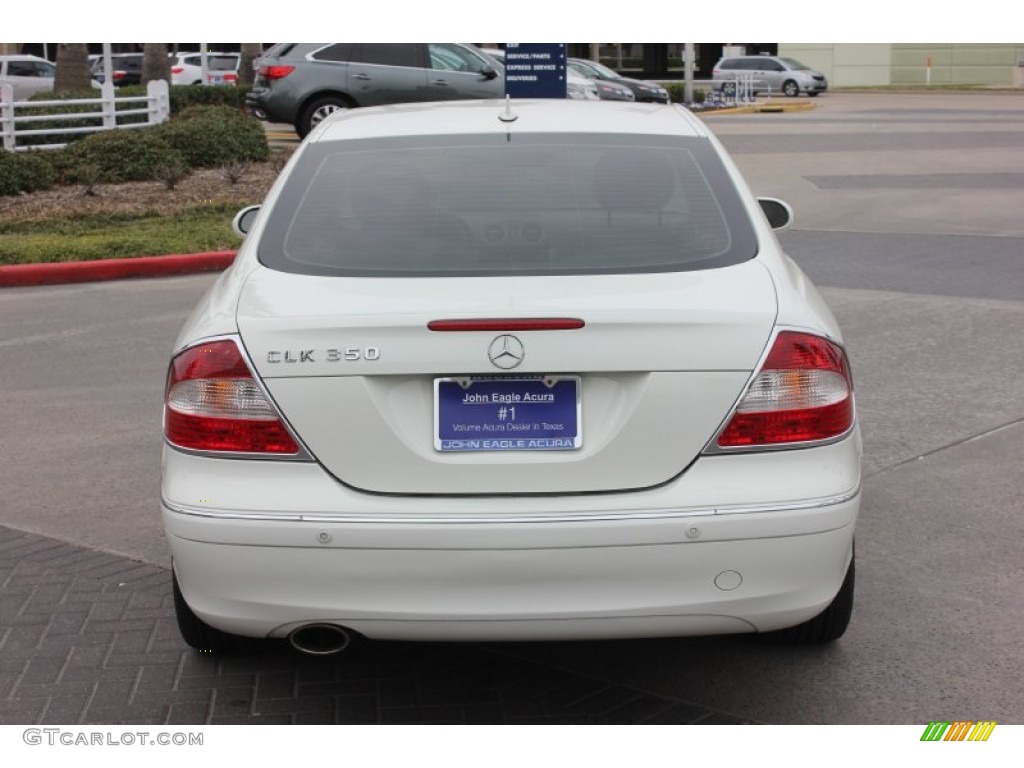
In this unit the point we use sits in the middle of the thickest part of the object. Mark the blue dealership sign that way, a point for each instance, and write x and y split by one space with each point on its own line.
535 70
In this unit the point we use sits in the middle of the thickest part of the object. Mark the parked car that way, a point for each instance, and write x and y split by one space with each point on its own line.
576 86
302 83
27 75
187 68
642 89
594 400
775 73
608 90
127 69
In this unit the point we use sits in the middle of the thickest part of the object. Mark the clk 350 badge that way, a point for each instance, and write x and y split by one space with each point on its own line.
334 355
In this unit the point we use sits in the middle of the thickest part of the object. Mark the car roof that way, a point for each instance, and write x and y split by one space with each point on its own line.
531 116
22 57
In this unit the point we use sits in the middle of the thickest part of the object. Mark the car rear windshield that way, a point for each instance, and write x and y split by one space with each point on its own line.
507 205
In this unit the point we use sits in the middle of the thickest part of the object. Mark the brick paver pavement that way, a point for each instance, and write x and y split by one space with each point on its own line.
88 637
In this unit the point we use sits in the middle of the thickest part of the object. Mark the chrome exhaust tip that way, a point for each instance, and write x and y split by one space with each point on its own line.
320 639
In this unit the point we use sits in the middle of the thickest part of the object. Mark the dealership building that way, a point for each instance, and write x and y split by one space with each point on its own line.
866 64
845 64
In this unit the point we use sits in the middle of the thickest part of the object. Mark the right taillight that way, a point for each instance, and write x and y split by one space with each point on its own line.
275 71
213 403
803 393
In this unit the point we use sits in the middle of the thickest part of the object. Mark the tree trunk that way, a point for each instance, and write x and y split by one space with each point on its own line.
250 52
72 74
156 64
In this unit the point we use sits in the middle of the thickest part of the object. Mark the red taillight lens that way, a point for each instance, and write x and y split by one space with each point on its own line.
118 75
213 403
275 71
177 70
230 77
803 393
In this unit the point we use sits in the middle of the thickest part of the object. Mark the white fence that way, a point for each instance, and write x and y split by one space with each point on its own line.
155 105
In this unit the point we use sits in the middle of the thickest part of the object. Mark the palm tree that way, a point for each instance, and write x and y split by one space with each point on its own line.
250 52
156 64
72 68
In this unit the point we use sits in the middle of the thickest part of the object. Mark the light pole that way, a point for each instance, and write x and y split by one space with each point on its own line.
688 56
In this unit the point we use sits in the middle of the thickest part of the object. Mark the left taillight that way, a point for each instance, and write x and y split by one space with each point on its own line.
213 403
275 71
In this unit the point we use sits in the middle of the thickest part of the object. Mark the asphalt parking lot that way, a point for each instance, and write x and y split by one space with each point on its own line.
908 219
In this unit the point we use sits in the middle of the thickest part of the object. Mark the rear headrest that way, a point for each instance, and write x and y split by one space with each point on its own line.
633 180
395 193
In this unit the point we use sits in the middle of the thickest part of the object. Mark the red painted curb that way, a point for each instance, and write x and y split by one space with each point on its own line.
114 269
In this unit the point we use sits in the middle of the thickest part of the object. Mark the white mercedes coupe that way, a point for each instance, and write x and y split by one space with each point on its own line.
525 370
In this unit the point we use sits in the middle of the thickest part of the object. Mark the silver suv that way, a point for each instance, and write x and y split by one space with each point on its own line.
302 83
775 73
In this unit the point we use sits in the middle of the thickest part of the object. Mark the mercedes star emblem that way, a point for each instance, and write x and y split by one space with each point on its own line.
506 351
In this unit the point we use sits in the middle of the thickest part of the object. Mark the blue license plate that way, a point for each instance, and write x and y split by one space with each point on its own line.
500 414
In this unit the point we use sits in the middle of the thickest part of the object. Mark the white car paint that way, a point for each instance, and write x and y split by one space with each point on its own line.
187 69
644 531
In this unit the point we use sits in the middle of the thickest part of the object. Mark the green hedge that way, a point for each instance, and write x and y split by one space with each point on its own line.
112 157
185 96
25 172
201 136
677 93
210 136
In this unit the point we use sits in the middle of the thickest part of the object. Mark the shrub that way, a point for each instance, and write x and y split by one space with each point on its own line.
118 156
25 172
677 93
211 136
185 96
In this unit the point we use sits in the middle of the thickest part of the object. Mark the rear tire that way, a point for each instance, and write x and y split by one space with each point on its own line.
318 110
828 625
196 632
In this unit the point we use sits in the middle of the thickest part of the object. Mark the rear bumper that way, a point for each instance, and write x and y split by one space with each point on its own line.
528 568
682 586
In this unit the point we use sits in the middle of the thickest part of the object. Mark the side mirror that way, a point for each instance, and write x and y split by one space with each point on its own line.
244 219
488 72
778 213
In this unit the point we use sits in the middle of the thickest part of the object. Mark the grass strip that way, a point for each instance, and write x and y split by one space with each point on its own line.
116 236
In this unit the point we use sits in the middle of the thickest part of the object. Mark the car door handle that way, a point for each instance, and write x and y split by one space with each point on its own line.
362 76
440 82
